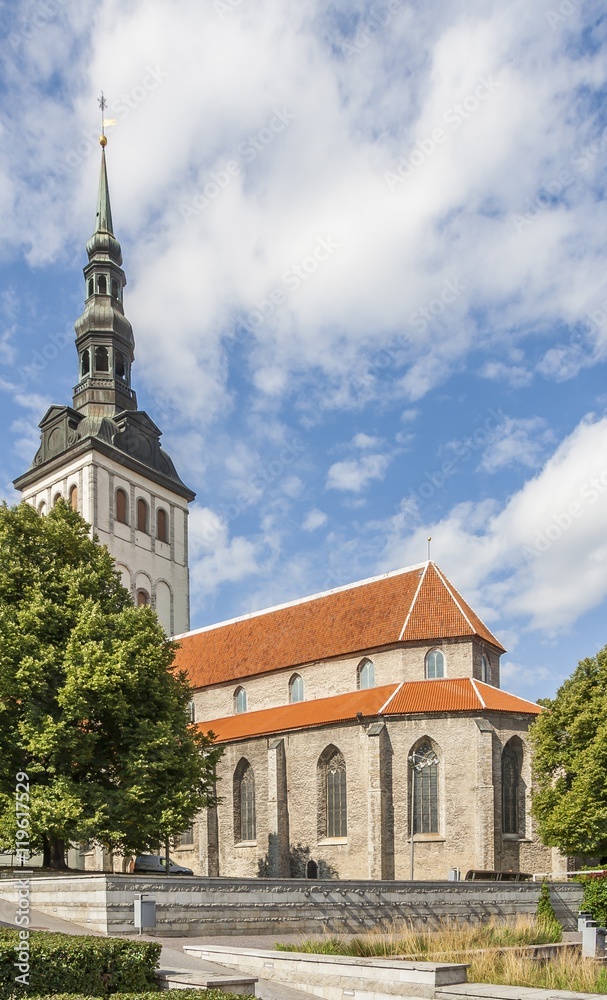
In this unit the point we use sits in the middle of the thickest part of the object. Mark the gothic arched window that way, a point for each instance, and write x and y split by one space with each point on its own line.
240 700
425 790
332 794
365 674
162 533
485 669
122 508
245 825
143 523
435 664
296 688
102 359
510 790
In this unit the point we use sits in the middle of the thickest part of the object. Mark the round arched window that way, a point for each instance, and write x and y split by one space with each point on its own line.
435 664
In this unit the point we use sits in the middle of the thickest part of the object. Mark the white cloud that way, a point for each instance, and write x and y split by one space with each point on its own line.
215 558
365 441
517 441
540 556
314 519
355 474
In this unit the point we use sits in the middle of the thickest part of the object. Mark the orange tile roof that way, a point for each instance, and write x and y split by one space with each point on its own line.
413 604
302 715
462 694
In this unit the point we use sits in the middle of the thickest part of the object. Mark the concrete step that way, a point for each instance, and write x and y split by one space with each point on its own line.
176 979
487 991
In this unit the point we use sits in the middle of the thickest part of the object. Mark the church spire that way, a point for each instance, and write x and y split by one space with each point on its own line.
104 336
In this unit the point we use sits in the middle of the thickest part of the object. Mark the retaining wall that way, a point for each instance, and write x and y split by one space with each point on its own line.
188 906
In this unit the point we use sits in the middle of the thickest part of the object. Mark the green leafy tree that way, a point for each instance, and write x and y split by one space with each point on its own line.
90 707
570 762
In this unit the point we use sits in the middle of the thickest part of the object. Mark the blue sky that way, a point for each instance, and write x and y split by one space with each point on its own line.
365 251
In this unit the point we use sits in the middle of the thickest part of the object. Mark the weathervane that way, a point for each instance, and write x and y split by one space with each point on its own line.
429 540
101 101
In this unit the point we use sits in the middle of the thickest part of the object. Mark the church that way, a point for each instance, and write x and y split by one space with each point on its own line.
365 731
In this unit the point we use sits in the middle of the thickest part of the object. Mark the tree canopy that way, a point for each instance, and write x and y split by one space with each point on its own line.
90 706
570 762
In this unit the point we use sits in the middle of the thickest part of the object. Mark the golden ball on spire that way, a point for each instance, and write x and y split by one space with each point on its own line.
103 141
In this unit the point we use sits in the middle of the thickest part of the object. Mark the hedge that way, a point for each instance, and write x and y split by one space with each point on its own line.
595 894
183 995
77 964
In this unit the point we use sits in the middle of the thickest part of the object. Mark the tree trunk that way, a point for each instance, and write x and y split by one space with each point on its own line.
46 852
57 852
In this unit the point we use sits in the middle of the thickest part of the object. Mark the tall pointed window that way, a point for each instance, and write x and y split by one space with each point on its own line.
435 664
245 823
143 523
510 790
240 700
102 359
122 509
332 795
365 674
162 533
296 688
425 790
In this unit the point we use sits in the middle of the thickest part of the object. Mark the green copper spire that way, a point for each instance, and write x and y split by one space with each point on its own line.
103 219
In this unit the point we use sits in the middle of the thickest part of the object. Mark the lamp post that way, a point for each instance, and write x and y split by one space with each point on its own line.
418 760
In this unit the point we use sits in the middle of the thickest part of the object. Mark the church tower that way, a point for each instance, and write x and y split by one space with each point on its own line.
103 455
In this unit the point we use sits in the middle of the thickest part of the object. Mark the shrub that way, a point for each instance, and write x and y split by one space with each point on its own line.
183 995
595 895
545 909
62 963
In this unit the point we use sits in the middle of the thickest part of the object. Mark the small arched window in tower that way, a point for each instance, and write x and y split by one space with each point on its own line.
240 700
102 359
56 499
296 688
435 664
114 289
142 516
74 497
102 284
485 669
162 533
42 507
120 364
143 598
365 674
122 510
91 286
85 362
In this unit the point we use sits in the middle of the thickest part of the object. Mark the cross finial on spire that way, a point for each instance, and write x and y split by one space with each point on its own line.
101 101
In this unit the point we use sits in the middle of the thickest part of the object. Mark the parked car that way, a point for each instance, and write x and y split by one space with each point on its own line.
154 864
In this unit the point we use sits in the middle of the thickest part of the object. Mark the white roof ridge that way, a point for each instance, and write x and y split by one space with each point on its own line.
509 693
300 600
478 694
450 589
381 710
421 580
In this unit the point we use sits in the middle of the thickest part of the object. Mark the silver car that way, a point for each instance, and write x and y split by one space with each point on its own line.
154 864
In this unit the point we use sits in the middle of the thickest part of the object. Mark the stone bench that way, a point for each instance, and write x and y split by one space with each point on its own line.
230 983
334 977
